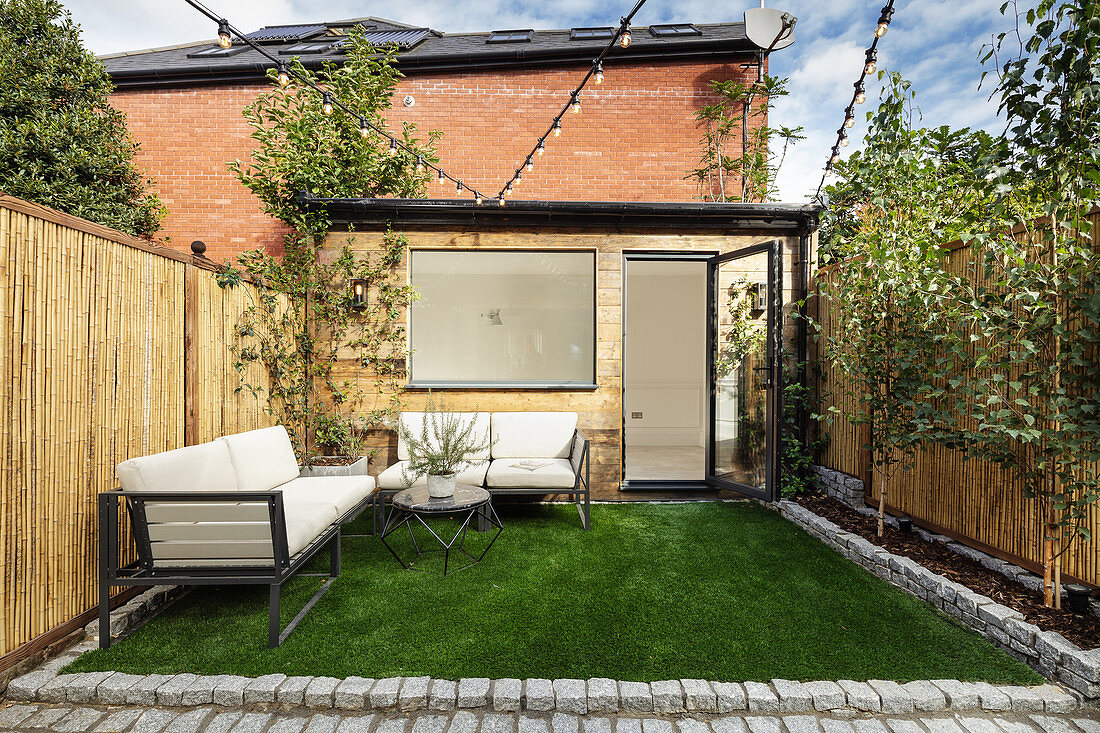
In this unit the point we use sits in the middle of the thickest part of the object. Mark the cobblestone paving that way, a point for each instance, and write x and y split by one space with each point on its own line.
39 717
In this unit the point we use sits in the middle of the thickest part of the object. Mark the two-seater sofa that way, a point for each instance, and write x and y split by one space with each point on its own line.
512 438
230 511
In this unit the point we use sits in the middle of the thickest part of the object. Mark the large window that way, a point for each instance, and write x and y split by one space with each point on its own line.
503 317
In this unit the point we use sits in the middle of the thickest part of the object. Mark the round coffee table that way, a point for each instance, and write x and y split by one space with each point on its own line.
415 505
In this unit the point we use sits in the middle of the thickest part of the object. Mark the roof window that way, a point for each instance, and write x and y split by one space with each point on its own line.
515 36
217 52
588 34
674 29
310 47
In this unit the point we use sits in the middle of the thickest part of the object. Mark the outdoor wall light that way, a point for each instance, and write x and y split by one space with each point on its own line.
758 296
225 38
358 294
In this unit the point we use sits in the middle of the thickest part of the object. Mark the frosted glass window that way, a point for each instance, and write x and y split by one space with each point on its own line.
503 317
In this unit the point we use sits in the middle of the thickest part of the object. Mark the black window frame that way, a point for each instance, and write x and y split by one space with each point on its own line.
517 35
595 33
217 52
674 30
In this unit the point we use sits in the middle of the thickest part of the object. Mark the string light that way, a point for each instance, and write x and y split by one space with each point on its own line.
458 187
530 164
541 148
477 199
518 177
284 74
624 37
598 76
884 21
859 94
557 128
225 38
575 105
508 190
501 201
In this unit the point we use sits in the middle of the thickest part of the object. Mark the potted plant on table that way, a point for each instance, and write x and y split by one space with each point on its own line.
445 444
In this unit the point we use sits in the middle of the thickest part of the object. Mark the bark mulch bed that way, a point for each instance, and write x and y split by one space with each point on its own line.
1084 631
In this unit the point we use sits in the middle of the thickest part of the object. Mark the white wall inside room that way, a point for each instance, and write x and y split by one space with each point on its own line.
664 365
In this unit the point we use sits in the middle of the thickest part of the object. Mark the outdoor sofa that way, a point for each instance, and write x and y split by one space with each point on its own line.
551 438
230 511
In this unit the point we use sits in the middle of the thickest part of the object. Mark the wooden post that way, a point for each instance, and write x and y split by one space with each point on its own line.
190 354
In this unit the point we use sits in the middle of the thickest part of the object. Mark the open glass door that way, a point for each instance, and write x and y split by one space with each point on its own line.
743 351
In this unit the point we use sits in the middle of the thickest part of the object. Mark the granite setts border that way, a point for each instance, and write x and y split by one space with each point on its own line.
1048 652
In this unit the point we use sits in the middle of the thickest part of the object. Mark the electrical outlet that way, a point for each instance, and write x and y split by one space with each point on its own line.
635 416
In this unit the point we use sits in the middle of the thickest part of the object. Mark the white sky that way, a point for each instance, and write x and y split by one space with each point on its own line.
934 43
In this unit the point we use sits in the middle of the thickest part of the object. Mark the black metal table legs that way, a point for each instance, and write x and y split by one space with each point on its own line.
398 517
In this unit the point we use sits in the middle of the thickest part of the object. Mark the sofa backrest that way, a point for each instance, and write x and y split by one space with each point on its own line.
205 467
414 423
533 434
262 459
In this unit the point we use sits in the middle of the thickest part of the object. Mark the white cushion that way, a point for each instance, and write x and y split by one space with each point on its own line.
504 475
305 520
344 493
533 434
205 467
414 423
393 477
262 459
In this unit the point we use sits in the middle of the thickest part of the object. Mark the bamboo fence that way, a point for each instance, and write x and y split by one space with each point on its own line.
93 358
969 499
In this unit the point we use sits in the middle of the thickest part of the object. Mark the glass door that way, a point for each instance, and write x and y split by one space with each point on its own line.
743 362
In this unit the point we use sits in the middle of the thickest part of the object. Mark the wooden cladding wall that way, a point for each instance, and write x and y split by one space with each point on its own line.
969 499
93 361
600 410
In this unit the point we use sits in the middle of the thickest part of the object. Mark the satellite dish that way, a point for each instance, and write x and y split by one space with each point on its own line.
762 25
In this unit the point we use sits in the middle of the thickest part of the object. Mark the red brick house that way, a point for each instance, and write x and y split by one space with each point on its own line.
491 94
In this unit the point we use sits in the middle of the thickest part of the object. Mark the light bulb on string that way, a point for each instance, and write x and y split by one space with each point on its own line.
364 128
598 76
530 164
283 74
508 190
393 146
326 103
872 57
843 138
861 93
849 120
557 128
442 177
458 187
477 199
575 107
519 177
835 157
884 21
541 148
419 164
225 37
624 37
501 201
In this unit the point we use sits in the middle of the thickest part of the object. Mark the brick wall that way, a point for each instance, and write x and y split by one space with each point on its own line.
635 140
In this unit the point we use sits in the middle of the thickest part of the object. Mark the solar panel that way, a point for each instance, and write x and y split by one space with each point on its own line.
585 34
514 36
674 29
285 33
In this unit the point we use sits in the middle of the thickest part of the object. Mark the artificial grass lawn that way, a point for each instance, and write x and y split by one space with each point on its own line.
719 591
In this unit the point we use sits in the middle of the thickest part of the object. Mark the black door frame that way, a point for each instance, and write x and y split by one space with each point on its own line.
774 327
637 485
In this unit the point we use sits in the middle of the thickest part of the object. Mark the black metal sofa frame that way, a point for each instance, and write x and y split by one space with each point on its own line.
143 572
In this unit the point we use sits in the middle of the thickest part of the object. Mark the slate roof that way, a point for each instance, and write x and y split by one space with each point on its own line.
422 49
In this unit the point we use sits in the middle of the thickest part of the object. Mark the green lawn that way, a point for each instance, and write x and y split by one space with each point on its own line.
720 591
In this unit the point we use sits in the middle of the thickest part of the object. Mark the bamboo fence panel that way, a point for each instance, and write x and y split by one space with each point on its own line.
965 497
92 356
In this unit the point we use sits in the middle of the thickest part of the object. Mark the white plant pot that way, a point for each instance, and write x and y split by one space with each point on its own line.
440 487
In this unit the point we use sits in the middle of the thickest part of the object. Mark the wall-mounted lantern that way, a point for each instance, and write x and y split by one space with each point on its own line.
758 296
358 294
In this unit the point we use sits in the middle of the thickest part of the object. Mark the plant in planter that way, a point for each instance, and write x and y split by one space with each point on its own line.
444 445
342 448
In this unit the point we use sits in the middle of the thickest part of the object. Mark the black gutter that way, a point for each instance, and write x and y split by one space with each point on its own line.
795 218
252 71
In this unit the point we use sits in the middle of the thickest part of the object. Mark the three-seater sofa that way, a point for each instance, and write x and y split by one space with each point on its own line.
512 438
230 511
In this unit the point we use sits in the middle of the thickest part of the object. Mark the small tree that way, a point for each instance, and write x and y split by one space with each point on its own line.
738 122
61 143
896 336
299 340
1036 309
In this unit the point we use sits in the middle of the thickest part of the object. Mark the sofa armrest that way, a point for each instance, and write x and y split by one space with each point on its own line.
578 455
136 501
